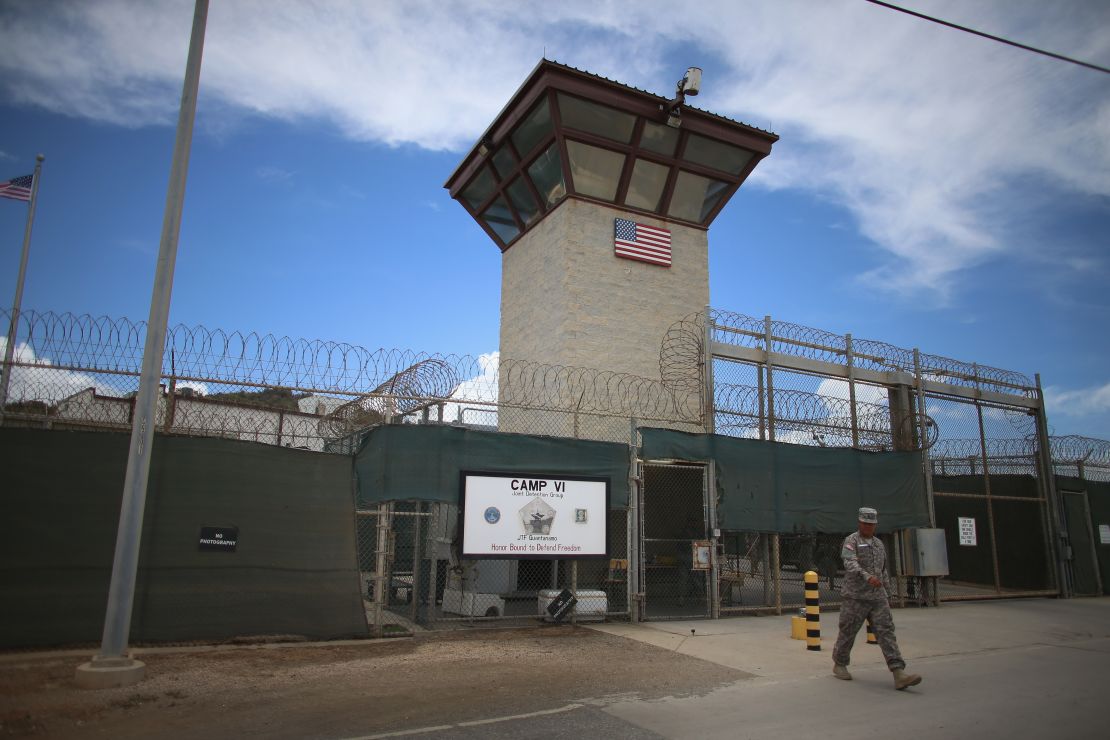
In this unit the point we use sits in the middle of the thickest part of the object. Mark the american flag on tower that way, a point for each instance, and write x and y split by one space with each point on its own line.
17 188
644 243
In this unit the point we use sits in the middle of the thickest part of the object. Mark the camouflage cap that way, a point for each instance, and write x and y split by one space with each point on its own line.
867 514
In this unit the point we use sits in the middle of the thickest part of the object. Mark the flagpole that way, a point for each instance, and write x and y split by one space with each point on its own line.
13 324
112 666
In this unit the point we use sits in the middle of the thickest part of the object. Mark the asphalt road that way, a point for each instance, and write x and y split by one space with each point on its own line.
1030 668
1031 692
1019 669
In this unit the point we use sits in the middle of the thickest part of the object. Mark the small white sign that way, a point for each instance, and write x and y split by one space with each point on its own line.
1104 534
967 531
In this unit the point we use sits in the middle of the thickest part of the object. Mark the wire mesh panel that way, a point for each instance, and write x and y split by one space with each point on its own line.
747 574
989 498
674 520
426 584
764 572
799 408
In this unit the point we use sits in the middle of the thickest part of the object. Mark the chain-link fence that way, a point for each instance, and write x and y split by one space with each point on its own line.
981 431
414 577
764 572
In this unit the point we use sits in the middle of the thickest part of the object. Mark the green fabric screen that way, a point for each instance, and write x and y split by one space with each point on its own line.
777 487
410 462
294 570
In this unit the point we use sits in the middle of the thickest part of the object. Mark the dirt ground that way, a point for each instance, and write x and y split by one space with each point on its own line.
332 691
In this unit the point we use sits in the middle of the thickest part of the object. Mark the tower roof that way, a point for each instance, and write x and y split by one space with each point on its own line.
571 134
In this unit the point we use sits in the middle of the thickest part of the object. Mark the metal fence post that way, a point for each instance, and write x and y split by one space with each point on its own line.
922 408
635 478
709 407
849 358
765 563
714 574
767 348
987 489
381 553
776 570
414 590
574 590
1056 530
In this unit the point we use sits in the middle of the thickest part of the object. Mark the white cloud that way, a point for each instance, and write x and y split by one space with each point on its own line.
865 393
916 129
480 390
275 175
36 379
45 383
1082 402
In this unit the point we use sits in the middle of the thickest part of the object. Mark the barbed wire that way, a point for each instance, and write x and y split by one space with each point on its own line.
404 393
1084 457
366 386
997 448
682 355
1087 450
1065 449
820 419
803 341
105 345
802 411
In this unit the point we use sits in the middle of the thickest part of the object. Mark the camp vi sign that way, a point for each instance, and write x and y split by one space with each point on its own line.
537 516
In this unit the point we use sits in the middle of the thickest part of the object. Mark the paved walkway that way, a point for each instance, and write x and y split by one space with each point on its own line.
1028 668
761 645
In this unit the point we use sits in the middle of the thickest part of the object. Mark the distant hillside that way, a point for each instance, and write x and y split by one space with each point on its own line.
271 398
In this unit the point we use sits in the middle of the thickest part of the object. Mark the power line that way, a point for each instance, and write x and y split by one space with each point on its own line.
999 39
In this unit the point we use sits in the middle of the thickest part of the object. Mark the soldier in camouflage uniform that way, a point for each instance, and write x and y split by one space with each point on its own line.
866 595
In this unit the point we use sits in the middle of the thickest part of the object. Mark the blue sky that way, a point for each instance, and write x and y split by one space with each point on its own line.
930 189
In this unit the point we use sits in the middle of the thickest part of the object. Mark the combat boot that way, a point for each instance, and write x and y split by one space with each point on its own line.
903 680
841 672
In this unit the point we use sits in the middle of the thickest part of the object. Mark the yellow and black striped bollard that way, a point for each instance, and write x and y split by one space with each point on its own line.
813 612
871 639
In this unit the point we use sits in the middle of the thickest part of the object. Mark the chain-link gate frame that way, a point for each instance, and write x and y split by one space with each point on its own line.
783 382
675 517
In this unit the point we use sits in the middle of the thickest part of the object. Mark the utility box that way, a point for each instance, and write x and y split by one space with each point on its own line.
924 552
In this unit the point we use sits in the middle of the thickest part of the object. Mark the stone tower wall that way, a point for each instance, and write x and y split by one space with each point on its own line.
566 299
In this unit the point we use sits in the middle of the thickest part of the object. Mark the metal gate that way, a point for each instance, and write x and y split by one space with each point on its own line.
674 519
1086 580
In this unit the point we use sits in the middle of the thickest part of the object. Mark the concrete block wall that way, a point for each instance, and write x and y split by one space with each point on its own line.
566 299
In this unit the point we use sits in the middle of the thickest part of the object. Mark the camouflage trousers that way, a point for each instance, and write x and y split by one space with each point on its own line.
853 613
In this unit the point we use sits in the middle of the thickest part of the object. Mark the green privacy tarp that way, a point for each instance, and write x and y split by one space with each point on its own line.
294 569
409 462
777 487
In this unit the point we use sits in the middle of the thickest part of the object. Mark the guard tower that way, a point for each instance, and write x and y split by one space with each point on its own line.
599 197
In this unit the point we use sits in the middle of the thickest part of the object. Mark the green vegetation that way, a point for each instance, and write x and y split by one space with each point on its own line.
272 398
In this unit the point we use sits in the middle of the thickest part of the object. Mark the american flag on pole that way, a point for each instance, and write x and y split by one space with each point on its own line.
644 243
17 188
